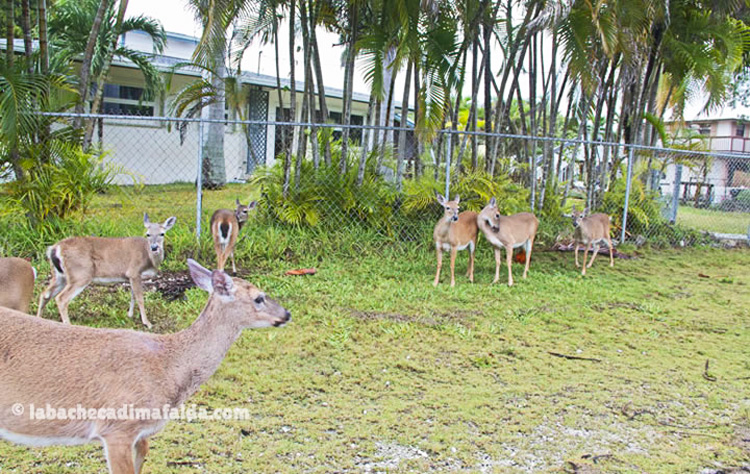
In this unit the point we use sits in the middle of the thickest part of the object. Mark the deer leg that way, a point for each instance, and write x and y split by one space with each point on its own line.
53 289
454 250
63 299
509 260
577 247
498 259
471 263
439 263
234 267
220 259
585 256
611 251
594 253
136 286
132 302
119 453
529 245
141 450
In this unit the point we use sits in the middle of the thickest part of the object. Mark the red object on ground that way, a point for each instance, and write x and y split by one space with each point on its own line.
520 257
301 271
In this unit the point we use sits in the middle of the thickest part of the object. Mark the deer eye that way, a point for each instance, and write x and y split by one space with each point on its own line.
148 234
259 300
162 234
497 216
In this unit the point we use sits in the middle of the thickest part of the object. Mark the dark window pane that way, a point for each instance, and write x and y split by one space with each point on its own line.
112 108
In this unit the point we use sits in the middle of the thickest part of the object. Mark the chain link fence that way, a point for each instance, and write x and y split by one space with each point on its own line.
169 166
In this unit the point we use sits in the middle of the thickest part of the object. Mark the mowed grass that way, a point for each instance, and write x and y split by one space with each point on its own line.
381 372
714 221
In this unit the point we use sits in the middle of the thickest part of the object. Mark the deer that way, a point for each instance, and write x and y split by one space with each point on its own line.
225 226
47 363
508 232
454 231
591 231
77 262
16 283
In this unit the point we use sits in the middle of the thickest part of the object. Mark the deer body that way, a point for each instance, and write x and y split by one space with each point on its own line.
225 227
16 283
45 362
508 232
77 262
455 231
591 231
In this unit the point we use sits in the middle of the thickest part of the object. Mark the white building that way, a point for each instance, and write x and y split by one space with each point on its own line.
152 152
728 170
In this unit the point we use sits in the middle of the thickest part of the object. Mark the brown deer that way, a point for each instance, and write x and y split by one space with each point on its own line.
77 262
16 283
591 231
452 233
509 232
225 227
47 363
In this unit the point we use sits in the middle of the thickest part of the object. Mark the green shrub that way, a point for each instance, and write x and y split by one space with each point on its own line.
60 186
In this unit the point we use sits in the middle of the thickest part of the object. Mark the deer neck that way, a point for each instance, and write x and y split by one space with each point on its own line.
156 258
200 349
444 227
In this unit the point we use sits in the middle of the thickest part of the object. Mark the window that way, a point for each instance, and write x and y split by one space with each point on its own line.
740 131
704 129
125 100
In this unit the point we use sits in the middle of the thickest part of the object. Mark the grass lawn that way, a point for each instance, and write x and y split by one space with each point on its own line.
381 372
714 221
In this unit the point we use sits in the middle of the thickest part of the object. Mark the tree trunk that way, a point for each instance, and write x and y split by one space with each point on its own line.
490 13
283 130
88 54
402 134
472 120
10 30
43 43
214 172
365 139
348 84
102 76
26 27
319 75
292 85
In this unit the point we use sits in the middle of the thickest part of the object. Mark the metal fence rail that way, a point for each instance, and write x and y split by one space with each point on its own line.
705 191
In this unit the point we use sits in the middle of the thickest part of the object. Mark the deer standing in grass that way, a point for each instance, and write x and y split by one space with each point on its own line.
44 362
77 262
508 232
16 283
591 231
452 233
225 227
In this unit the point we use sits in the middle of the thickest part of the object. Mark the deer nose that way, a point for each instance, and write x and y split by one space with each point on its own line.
154 248
455 218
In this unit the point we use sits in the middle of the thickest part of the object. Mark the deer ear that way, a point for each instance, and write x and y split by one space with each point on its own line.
457 199
493 203
237 201
146 221
201 276
222 283
252 205
574 208
439 197
169 223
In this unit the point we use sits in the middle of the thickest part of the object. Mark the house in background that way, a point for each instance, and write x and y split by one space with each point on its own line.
153 151
728 171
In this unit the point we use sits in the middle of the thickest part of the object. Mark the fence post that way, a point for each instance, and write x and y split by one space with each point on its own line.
627 194
448 167
675 194
199 185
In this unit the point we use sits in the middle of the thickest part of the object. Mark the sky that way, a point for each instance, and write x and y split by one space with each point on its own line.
176 16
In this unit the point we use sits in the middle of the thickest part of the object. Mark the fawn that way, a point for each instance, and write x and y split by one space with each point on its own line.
452 233
64 366
16 283
509 232
591 231
225 227
77 262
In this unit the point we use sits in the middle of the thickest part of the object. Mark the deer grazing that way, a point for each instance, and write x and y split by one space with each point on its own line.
452 233
225 227
16 283
44 362
77 262
591 231
509 232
